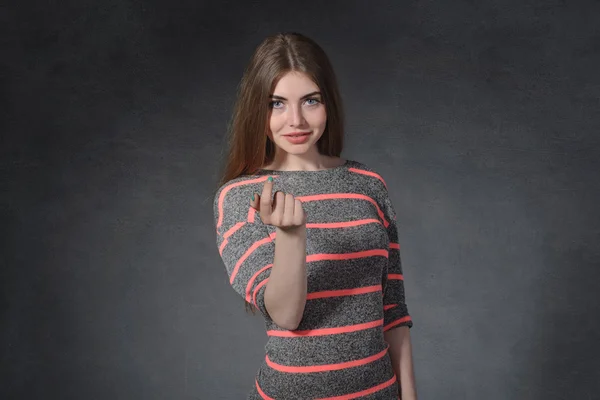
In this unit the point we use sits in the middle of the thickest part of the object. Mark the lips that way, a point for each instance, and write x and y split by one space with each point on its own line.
298 137
296 134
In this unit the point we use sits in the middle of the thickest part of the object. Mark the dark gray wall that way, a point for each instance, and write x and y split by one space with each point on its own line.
483 119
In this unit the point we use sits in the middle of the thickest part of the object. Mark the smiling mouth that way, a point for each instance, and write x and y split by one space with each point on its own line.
298 134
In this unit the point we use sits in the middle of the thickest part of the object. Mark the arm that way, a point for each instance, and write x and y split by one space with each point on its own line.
397 320
285 295
401 355
269 274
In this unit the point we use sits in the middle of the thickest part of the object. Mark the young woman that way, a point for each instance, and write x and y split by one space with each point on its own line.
310 239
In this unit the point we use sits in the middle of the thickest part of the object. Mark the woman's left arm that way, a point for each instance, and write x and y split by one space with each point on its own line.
401 355
397 320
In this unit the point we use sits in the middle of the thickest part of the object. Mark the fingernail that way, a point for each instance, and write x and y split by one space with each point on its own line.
270 179
253 197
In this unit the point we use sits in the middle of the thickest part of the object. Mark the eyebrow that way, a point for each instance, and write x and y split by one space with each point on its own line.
273 96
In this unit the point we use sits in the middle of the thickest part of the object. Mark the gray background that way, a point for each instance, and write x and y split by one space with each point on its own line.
482 117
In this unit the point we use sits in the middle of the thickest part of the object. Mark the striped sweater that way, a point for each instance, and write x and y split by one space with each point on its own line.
354 276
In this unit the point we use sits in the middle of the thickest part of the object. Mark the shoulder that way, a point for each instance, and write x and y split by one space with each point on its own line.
368 174
234 195
374 184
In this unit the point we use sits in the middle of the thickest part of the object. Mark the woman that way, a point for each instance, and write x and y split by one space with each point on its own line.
310 239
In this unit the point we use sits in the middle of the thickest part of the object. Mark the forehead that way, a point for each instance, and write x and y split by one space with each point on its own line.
294 84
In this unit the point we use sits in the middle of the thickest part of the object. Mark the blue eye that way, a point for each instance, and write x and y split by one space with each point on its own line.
279 103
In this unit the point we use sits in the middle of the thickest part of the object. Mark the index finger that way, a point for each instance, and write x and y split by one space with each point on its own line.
266 198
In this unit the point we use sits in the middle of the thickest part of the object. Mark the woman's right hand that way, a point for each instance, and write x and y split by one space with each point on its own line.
284 211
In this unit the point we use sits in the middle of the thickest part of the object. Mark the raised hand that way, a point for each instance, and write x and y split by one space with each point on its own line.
283 211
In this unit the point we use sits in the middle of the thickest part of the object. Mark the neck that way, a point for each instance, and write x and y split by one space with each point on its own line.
302 162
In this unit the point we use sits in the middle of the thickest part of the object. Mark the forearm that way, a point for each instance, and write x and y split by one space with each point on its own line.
402 360
285 292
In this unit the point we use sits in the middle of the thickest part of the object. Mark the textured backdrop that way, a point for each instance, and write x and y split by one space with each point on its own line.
483 119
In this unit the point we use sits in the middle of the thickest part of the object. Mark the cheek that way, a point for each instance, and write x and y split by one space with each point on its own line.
275 122
319 118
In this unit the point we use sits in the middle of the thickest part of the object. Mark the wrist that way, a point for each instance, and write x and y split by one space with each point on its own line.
297 231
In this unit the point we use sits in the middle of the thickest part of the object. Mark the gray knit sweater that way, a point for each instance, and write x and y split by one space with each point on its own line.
355 282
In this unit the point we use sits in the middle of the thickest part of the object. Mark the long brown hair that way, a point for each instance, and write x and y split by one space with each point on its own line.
249 147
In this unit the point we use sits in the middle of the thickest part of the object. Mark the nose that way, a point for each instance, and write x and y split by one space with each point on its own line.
295 117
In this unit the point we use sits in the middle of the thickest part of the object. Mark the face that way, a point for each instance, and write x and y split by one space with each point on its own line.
296 107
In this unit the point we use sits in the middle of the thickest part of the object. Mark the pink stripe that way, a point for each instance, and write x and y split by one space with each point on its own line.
343 292
331 196
222 246
335 196
253 278
397 277
243 258
335 225
348 224
326 367
233 229
262 394
395 246
368 173
228 188
327 331
251 214
397 322
366 392
261 284
347 256
389 306
230 232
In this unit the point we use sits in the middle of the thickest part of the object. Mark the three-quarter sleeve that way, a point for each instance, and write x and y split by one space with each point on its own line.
394 303
245 247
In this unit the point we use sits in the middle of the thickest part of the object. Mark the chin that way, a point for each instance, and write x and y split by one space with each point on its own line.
283 144
298 149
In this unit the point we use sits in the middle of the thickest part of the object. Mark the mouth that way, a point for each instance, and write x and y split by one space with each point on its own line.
297 134
298 137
